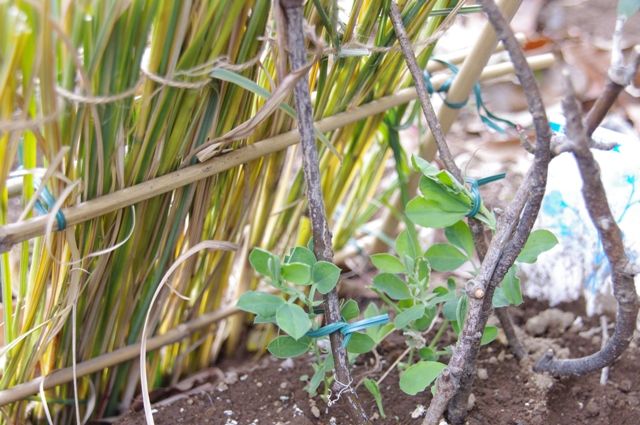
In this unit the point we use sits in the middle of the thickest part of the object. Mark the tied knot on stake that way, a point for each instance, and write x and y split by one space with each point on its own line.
45 203
487 117
474 186
347 329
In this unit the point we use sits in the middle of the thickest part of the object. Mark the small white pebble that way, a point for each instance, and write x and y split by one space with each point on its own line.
287 364
297 411
244 377
181 409
228 412
483 373
284 398
315 411
418 411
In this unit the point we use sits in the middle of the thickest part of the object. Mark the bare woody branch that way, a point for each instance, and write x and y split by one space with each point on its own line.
320 228
443 149
512 231
611 237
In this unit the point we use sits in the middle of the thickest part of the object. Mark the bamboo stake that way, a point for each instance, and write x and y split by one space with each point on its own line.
467 76
11 234
96 364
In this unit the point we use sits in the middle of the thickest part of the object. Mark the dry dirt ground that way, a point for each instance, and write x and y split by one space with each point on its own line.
271 391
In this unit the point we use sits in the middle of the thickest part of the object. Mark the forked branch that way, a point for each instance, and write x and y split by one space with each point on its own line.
609 233
455 382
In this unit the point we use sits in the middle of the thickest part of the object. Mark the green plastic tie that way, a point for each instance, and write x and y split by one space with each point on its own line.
45 203
487 117
475 191
347 329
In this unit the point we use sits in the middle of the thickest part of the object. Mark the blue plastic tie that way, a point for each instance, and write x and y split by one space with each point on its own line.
46 203
347 329
487 117
475 191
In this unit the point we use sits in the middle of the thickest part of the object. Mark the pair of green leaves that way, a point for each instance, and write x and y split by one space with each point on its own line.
268 308
444 200
300 268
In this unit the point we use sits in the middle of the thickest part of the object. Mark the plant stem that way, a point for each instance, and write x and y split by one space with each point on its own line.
438 335
322 244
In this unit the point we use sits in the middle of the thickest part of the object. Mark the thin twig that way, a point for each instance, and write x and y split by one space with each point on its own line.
512 231
423 94
322 244
436 131
609 233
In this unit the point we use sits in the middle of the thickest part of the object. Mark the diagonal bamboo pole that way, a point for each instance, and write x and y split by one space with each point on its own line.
11 234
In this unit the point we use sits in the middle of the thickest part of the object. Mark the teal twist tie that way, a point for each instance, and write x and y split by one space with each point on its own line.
347 329
487 117
46 203
475 191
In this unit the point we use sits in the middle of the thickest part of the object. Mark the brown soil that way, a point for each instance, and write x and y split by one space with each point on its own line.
271 392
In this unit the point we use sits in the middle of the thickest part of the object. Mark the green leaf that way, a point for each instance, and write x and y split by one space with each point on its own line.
248 84
628 8
490 333
371 310
325 276
372 387
427 213
425 321
499 298
360 343
405 246
259 260
265 319
387 263
350 310
301 254
284 346
378 333
298 273
423 166
319 374
445 257
259 303
408 316
428 353
449 309
461 310
423 269
419 376
460 235
392 285
292 319
539 241
511 286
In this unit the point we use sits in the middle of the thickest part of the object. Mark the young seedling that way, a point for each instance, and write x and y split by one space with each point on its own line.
405 285
296 310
